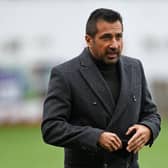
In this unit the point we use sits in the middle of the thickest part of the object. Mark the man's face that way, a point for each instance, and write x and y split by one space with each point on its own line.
107 44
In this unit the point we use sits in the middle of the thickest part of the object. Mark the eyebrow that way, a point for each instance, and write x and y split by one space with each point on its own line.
108 35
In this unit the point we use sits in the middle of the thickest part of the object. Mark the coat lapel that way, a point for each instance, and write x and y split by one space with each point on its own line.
126 80
96 82
126 72
93 77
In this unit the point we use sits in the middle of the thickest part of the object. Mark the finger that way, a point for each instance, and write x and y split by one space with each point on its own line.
134 137
133 142
116 140
135 146
116 137
138 148
109 147
106 146
130 129
139 142
114 146
112 143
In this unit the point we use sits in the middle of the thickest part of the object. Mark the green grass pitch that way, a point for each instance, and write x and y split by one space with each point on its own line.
23 147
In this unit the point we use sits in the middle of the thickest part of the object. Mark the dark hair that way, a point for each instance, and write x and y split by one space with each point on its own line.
108 15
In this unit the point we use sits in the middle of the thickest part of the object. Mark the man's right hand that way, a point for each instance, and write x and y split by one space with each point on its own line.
110 141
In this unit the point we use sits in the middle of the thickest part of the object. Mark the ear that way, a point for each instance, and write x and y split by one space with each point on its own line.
89 40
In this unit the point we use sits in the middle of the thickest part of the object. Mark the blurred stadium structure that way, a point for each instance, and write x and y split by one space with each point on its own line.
36 36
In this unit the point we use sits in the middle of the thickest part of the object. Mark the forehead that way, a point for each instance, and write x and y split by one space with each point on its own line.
107 27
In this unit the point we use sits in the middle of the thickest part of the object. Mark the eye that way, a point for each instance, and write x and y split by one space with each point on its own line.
106 37
118 36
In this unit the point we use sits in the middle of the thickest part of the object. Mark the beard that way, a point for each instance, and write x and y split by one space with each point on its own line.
111 56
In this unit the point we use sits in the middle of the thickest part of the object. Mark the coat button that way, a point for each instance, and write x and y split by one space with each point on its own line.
94 103
105 165
134 99
127 164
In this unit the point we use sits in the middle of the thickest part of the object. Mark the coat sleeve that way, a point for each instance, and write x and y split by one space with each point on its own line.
56 129
149 115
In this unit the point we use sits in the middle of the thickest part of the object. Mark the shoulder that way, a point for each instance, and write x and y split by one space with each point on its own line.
131 61
134 63
68 66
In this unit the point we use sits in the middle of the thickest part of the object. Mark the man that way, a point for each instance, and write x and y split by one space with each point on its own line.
98 105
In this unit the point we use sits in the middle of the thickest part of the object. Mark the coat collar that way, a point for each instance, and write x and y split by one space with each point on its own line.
93 77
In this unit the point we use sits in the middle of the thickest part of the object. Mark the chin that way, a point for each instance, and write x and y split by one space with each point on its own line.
111 61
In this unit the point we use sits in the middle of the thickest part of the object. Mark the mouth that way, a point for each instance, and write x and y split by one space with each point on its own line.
112 55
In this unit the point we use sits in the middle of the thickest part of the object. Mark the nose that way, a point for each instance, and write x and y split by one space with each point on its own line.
114 43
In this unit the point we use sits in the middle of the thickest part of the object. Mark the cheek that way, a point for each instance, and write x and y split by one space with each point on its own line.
102 49
121 45
99 48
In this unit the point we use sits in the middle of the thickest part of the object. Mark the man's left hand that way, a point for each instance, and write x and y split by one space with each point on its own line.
139 139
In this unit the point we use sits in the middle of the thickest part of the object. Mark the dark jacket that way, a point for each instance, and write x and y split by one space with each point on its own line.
79 107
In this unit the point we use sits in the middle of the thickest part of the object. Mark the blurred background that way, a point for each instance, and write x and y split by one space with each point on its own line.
35 35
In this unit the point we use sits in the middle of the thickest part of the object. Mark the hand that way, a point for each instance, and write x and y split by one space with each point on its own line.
139 139
110 141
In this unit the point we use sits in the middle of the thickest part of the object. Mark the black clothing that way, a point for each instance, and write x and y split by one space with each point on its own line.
79 107
111 75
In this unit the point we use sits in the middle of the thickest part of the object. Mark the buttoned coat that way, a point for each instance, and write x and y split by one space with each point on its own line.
79 107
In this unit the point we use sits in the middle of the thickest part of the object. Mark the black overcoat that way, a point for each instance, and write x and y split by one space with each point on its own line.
79 107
